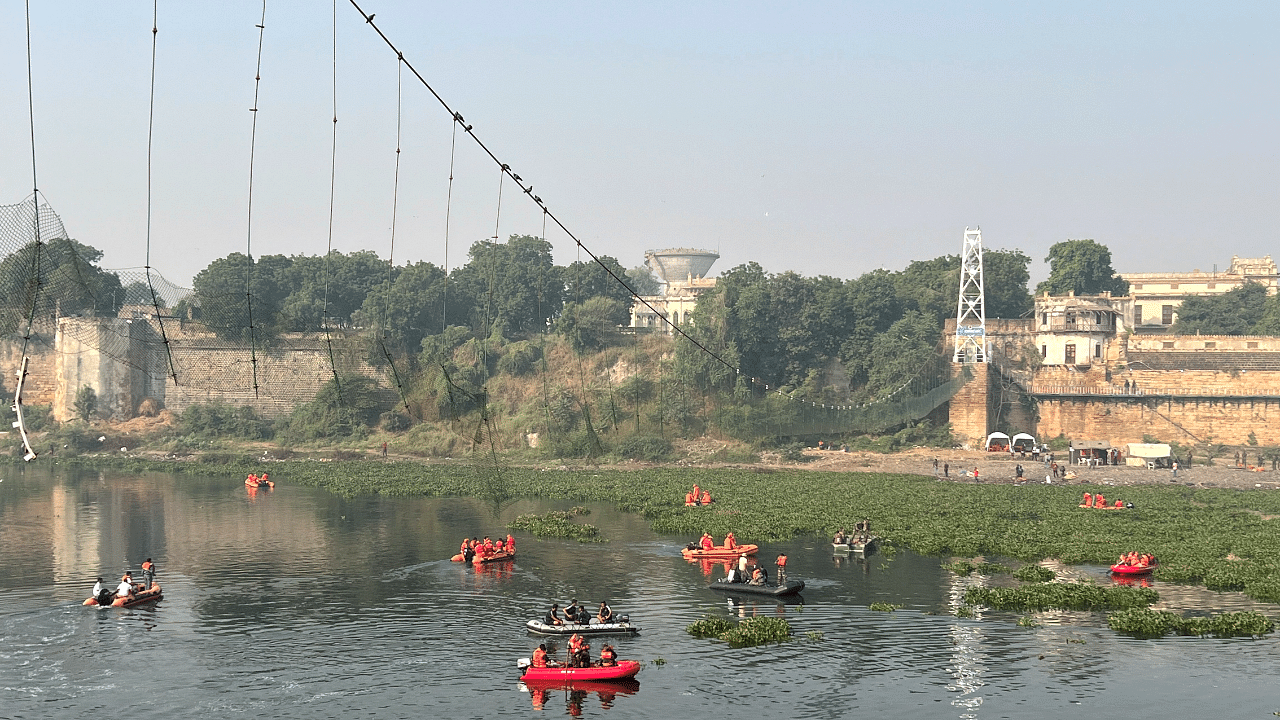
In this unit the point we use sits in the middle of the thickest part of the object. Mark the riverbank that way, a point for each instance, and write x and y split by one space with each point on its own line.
1000 468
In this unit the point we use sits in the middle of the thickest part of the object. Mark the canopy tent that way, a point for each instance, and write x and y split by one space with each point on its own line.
1149 455
1092 451
1023 439
995 438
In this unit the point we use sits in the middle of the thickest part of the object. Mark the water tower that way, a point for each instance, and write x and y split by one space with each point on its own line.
679 265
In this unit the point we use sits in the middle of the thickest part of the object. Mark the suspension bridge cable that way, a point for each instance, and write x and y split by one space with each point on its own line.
448 210
253 140
151 124
391 255
37 248
328 255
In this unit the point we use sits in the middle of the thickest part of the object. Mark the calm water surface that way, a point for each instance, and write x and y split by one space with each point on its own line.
299 604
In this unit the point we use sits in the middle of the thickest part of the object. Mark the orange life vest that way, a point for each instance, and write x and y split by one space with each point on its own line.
1119 504
782 561
730 542
688 498
1088 500
539 658
707 542
511 544
706 497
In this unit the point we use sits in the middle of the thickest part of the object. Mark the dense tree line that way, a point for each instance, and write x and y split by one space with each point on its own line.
1246 310
826 335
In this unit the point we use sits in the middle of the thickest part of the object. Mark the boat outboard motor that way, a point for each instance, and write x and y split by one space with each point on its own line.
621 619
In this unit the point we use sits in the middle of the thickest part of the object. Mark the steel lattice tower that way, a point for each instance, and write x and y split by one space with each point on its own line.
971 312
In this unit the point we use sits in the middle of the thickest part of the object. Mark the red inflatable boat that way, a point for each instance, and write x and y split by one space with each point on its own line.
1134 569
719 551
561 675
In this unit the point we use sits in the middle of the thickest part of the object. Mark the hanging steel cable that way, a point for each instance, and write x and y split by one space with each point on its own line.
385 322
151 124
253 140
328 255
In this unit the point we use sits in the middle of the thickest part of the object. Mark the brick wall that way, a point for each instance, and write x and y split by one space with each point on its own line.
1185 420
969 411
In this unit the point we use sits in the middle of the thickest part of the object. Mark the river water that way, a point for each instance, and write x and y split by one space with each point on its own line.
295 603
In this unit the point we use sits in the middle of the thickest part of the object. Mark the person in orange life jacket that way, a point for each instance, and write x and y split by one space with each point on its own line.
1088 501
689 500
759 576
706 498
1099 501
575 642
730 542
488 545
149 571
781 562
540 657
707 542
1119 504
553 616
697 492
511 543
608 658
582 656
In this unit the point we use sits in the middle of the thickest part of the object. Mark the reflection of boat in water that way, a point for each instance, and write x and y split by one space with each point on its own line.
1134 580
622 627
626 686
625 669
151 594
790 587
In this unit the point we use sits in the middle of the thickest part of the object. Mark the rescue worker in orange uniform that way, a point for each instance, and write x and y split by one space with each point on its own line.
540 656
689 501
1088 501
781 562
608 658
706 498
511 543
730 542
707 542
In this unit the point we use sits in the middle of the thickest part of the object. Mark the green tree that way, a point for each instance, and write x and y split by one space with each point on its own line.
1239 311
230 288
339 408
898 354
642 280
586 280
86 403
1082 267
68 281
513 284
337 284
400 314
589 325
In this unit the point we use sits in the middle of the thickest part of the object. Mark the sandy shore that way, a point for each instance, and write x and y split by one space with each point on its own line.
999 468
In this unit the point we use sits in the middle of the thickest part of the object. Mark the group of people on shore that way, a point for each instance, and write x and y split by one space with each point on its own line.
487 548
575 614
1099 502
697 497
1136 559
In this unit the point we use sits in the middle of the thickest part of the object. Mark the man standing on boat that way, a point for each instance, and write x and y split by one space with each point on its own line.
149 572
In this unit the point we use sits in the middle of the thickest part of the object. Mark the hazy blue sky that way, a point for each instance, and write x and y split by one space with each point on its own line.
821 137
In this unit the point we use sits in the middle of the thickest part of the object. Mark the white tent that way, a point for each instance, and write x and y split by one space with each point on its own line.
1024 439
996 436
1148 455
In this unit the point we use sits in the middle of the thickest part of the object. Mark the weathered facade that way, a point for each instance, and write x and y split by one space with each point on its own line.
1156 296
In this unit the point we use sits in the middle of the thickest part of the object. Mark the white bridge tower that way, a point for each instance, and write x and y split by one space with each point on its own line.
971 313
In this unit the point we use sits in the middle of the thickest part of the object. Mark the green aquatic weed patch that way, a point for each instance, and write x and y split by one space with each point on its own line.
1061 596
1034 573
965 568
1192 531
1145 622
883 607
748 632
557 523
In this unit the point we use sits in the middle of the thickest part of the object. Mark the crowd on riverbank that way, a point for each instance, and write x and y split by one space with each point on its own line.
1001 468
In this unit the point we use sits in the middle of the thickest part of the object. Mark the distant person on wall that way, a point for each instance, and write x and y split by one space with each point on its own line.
1175 468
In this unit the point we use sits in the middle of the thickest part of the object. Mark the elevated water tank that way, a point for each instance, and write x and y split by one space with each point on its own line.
677 264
